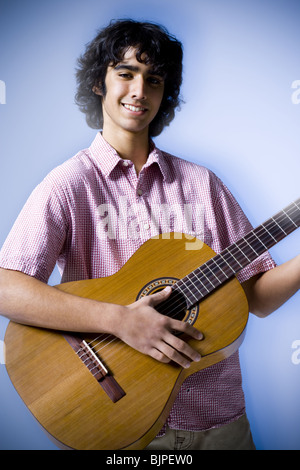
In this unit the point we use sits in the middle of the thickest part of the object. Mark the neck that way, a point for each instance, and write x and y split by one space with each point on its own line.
129 145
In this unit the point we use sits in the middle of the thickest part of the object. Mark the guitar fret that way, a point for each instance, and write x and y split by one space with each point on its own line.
278 230
285 225
264 237
178 286
244 239
290 219
202 281
222 256
234 258
296 209
214 260
288 215
248 247
243 253
201 276
260 241
212 275
254 240
269 233
204 290
208 279
197 290
237 256
279 226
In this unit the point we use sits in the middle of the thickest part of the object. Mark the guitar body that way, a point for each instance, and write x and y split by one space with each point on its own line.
62 393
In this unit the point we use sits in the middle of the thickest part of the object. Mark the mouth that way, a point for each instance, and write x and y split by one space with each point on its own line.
134 109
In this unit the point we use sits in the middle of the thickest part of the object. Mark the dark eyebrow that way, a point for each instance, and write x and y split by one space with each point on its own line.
133 68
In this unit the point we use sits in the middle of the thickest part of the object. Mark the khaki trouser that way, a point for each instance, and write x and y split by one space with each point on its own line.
232 436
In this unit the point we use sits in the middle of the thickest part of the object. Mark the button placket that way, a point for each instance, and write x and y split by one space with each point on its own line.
145 224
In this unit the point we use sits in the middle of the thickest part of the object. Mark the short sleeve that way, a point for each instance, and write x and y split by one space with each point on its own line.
231 225
38 235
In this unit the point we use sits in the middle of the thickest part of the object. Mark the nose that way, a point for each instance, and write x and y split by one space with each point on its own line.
138 90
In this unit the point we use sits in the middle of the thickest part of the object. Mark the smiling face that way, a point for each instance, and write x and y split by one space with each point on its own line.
134 91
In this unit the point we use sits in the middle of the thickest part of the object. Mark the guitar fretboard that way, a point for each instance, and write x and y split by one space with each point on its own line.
222 267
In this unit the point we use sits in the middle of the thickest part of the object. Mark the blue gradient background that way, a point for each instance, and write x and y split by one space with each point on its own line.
241 58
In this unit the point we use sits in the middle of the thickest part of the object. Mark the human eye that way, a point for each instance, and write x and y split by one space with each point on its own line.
123 71
155 80
125 75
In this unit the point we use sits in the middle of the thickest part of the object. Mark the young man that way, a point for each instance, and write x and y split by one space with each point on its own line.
81 216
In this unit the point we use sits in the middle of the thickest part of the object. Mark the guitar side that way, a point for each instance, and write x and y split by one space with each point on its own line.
65 397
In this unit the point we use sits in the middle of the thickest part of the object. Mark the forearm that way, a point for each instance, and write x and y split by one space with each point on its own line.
266 293
26 300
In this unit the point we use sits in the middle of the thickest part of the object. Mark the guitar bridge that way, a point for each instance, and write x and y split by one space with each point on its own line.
92 361
96 367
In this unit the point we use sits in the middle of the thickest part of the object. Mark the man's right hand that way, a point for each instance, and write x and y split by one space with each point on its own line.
152 333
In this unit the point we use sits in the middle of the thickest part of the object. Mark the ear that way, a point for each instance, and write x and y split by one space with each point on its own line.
97 90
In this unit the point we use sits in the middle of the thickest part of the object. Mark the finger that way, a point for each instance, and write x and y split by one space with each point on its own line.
186 328
182 347
159 356
158 297
173 355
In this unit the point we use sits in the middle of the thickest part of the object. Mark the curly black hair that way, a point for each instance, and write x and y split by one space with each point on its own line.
108 48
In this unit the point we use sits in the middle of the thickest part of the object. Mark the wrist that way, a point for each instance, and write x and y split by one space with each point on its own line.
114 317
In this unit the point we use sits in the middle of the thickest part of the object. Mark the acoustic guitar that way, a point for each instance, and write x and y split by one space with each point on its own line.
99 393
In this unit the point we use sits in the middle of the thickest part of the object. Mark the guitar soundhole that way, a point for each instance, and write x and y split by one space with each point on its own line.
175 306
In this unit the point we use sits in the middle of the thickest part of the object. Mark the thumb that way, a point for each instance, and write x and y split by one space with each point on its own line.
160 296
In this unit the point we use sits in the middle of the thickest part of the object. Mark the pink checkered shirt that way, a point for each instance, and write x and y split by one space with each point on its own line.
90 214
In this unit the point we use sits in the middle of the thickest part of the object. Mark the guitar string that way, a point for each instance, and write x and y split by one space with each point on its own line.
183 304
280 228
107 358
237 247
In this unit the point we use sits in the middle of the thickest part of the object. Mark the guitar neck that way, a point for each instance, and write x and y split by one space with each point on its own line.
222 267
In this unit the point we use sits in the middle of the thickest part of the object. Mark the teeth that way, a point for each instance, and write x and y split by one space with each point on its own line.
133 108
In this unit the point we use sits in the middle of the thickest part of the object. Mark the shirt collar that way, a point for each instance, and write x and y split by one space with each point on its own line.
108 158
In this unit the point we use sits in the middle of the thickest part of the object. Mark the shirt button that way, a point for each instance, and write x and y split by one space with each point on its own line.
146 226
140 192
125 163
